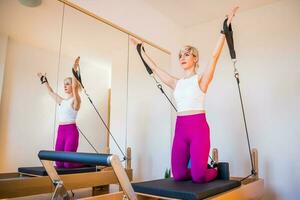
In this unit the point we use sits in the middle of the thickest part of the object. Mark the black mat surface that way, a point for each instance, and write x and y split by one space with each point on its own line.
184 189
40 171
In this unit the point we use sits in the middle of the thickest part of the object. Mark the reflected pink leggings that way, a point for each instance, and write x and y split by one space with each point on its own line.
191 141
67 140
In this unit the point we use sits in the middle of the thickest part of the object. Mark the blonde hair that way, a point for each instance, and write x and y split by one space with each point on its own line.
192 50
77 82
70 78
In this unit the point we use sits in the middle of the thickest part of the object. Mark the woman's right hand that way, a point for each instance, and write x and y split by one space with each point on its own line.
76 63
231 14
135 41
40 75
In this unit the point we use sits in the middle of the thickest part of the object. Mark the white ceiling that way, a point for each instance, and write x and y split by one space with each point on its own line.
187 13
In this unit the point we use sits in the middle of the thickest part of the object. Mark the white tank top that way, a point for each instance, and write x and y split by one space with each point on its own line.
188 95
66 113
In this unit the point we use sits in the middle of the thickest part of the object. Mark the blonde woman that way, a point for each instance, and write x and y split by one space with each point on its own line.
192 135
67 134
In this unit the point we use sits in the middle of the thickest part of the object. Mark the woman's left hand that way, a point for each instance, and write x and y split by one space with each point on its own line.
76 63
231 14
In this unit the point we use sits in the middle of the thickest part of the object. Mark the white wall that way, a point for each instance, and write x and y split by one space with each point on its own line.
267 44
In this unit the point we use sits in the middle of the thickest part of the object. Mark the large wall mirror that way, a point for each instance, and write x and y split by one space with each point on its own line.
47 39
30 39
103 66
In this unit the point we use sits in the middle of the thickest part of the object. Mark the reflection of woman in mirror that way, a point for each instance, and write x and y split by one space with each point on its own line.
192 135
67 134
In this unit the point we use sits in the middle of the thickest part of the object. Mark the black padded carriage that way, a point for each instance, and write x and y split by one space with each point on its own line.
40 171
184 189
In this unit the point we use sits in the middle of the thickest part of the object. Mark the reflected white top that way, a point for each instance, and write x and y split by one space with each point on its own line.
66 113
188 95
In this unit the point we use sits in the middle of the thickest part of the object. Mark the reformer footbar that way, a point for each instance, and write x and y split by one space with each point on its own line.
46 157
227 31
77 75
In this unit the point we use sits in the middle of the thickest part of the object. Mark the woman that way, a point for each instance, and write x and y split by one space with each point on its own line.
192 137
67 134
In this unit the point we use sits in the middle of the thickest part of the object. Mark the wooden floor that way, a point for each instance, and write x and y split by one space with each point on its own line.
79 193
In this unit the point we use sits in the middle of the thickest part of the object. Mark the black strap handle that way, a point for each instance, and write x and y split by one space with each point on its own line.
43 79
227 30
77 76
139 48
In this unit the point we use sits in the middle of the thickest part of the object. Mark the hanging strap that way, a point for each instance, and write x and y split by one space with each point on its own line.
139 48
77 75
227 31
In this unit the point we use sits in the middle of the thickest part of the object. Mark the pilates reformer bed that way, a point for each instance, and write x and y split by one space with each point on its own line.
163 189
34 180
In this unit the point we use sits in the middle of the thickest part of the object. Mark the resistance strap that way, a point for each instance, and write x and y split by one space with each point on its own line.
139 48
227 30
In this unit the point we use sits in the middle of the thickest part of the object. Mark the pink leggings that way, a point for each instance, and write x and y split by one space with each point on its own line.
67 140
191 141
